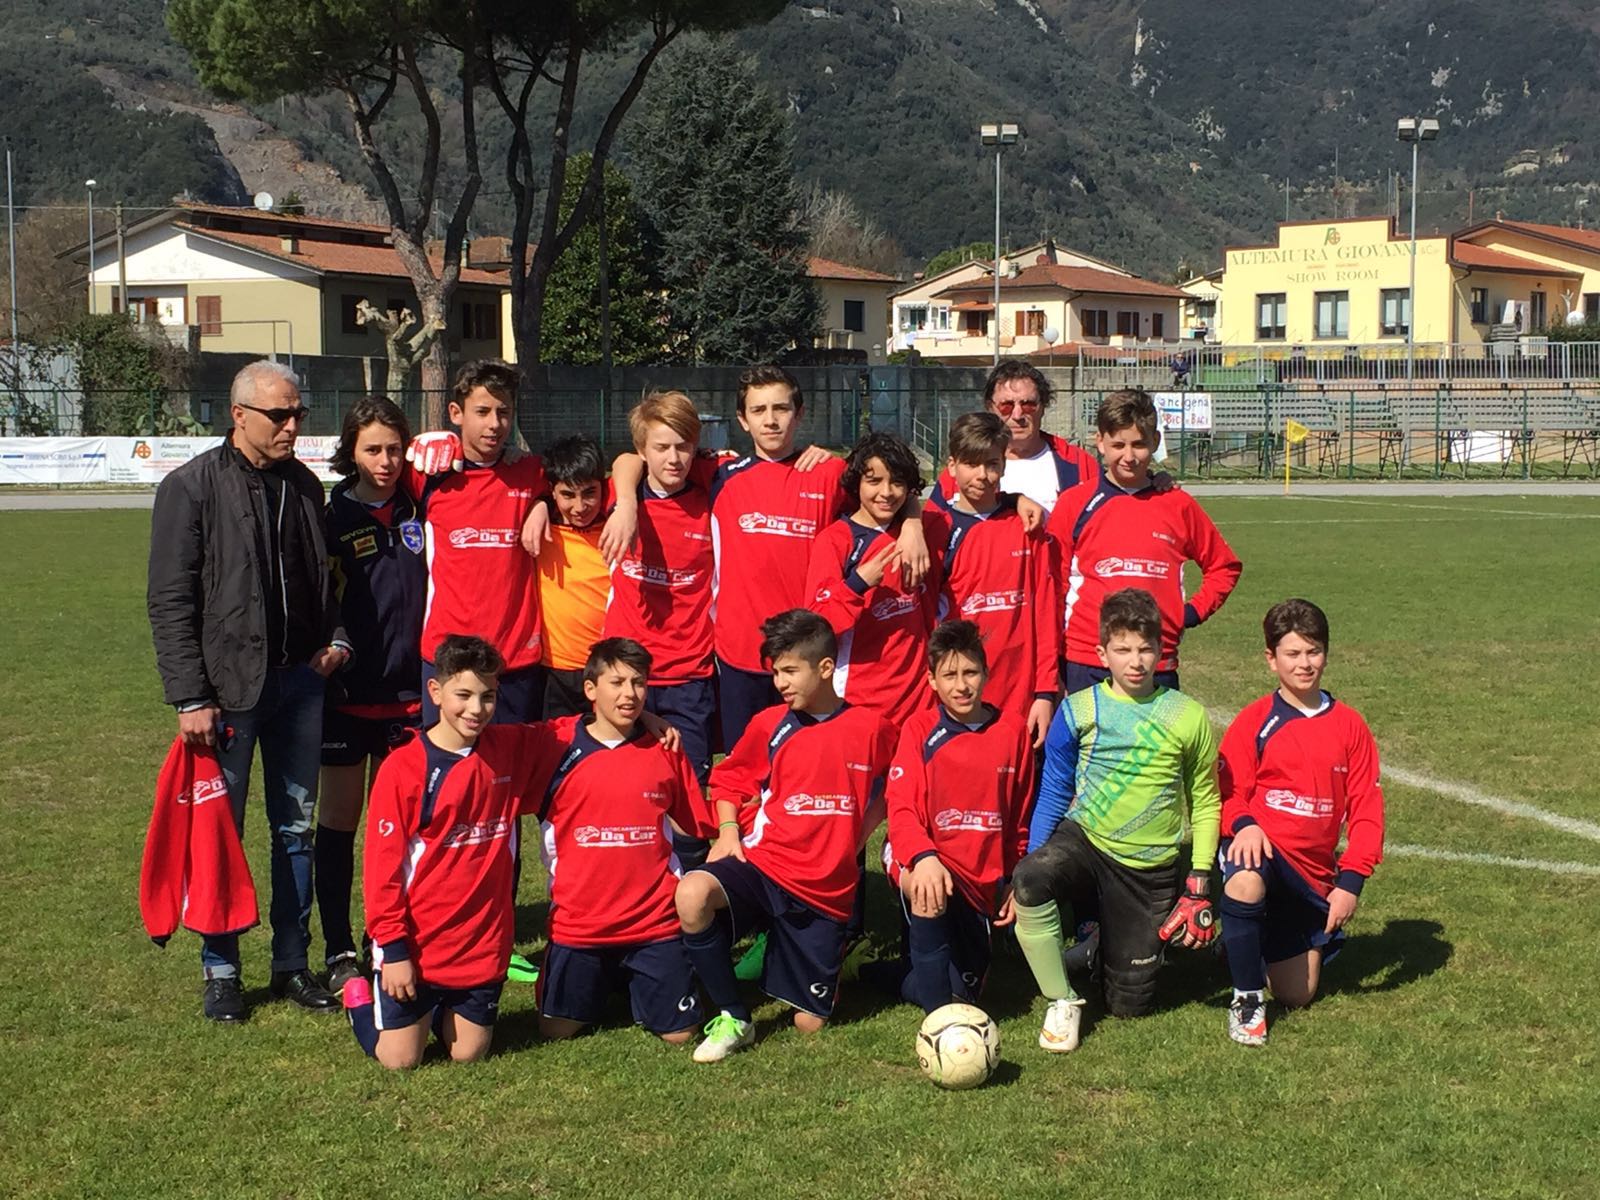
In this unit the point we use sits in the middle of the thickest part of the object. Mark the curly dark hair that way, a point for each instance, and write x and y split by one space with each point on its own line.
896 458
366 411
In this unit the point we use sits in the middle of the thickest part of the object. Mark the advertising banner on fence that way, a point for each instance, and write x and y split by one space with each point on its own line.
53 460
152 459
1187 411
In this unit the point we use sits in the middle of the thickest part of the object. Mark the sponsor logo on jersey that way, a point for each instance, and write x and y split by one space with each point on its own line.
385 828
987 602
615 837
1163 536
1132 568
803 805
891 607
205 791
475 833
952 820
654 576
812 496
795 527
855 766
366 546
695 535
520 493
468 538
896 772
1313 807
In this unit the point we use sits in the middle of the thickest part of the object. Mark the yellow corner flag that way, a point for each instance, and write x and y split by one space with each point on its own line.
1293 433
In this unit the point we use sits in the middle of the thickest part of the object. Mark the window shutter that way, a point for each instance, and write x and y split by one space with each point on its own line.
208 314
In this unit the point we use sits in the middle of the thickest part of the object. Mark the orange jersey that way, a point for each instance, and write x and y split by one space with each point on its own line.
573 586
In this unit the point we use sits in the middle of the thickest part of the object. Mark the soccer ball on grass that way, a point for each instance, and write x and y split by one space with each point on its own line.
958 1046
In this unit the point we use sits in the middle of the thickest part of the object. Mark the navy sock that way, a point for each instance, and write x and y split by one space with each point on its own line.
856 927
334 869
691 851
1241 939
358 1004
928 984
709 951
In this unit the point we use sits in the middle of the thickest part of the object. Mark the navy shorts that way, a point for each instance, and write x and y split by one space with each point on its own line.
478 1004
691 707
969 939
519 696
348 740
805 949
576 982
563 694
1294 918
1082 676
740 696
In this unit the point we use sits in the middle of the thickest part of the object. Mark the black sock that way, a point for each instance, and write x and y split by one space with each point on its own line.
334 869
928 984
1241 939
709 951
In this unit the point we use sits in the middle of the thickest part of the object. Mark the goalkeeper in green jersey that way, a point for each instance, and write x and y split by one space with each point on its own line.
1119 762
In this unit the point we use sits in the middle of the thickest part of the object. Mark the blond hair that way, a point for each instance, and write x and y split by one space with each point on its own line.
673 409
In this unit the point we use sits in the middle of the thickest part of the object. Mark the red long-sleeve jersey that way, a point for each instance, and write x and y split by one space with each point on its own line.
480 579
1005 581
661 590
883 630
1111 539
441 841
765 515
809 794
606 821
962 794
1303 778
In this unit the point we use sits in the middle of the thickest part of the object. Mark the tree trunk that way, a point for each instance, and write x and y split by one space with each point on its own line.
435 371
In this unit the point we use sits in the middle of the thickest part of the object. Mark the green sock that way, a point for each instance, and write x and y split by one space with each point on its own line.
1039 935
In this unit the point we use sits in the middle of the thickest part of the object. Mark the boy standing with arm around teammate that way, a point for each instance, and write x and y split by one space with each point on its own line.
1298 769
574 582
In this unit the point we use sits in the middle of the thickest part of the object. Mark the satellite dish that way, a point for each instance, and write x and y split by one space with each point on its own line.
1051 335
263 201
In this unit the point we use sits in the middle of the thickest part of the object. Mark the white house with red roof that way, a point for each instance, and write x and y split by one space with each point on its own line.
855 307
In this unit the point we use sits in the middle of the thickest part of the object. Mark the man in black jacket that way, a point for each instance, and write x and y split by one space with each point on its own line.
246 631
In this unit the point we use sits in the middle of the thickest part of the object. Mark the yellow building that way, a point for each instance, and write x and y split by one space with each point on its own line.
855 307
267 283
1344 283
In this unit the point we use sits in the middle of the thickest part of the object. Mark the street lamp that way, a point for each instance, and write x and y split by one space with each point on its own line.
999 136
1415 130
90 184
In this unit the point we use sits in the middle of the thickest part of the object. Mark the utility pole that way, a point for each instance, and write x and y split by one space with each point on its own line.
122 264
11 246
90 185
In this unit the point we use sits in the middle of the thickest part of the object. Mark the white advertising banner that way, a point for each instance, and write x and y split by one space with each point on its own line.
151 459
314 452
53 460
1187 411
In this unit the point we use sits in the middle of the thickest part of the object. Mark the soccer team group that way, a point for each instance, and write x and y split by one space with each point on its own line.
993 670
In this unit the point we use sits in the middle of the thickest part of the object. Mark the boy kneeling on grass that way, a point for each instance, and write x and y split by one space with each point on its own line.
1298 768
1120 761
795 801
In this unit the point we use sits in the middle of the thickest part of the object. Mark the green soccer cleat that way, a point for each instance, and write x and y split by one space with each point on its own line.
522 970
748 968
725 1035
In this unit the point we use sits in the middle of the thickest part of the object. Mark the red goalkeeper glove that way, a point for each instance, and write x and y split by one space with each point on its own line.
1193 921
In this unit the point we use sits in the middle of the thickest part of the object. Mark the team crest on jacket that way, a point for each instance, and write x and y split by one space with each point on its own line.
411 536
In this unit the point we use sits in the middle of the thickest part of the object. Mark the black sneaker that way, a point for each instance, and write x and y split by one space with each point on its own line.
305 989
224 1001
341 971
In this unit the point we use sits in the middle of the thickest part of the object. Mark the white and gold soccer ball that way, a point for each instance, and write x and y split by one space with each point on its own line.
958 1046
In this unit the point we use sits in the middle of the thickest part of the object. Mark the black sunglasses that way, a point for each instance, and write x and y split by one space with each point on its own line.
279 416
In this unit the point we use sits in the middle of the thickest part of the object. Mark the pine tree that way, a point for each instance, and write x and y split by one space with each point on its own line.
716 182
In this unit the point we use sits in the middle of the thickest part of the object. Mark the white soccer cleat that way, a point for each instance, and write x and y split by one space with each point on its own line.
1247 1019
1059 1033
725 1035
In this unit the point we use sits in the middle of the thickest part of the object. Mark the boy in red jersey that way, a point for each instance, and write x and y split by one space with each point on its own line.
437 871
998 575
608 817
1297 769
857 582
479 575
661 589
574 581
1123 531
795 801
958 797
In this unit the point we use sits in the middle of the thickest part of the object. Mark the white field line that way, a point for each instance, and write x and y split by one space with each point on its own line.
1400 502
1466 794
1493 860
1381 520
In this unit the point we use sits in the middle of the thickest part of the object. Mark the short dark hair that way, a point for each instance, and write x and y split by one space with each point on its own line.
1012 370
574 460
798 631
1130 406
1295 616
766 374
500 378
976 437
895 456
461 652
369 410
1131 610
956 637
615 651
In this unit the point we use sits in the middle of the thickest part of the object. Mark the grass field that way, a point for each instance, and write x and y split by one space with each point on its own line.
1453 1055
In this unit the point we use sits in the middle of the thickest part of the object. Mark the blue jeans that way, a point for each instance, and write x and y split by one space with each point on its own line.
287 723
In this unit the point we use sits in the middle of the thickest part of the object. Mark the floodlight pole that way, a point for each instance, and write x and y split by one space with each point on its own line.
89 183
1415 130
11 248
998 135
